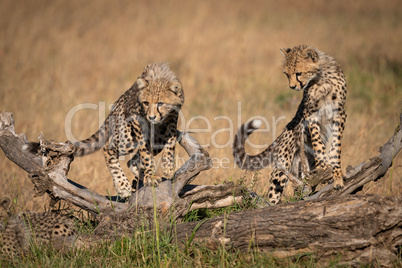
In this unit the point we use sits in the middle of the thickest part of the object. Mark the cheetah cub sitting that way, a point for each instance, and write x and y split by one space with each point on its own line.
143 121
320 118
20 231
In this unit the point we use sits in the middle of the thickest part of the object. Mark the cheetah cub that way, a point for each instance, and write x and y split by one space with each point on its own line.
20 231
320 118
143 121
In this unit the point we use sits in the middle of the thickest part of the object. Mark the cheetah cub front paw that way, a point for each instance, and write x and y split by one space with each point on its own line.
168 172
153 180
124 193
338 183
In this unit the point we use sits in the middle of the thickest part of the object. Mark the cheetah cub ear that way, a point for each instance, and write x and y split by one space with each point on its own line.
310 53
5 203
175 87
141 83
285 51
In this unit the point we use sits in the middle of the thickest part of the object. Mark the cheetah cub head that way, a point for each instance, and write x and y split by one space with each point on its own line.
301 66
5 205
160 92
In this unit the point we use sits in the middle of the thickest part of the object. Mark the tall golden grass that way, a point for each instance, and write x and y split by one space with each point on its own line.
56 55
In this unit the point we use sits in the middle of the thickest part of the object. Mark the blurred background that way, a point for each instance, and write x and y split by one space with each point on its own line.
56 55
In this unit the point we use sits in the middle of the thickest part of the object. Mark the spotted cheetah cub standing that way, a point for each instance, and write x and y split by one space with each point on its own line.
18 232
143 121
320 118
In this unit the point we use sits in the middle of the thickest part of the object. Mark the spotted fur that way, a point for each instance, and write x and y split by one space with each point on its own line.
320 118
20 231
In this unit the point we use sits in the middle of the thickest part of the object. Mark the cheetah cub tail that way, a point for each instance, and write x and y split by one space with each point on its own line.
31 147
246 129
82 148
253 125
243 159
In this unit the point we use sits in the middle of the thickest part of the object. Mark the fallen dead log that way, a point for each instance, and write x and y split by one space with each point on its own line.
354 229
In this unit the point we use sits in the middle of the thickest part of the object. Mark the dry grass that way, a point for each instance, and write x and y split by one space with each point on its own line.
58 54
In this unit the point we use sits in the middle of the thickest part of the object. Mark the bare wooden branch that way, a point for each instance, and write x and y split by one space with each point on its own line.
12 144
364 173
201 157
208 196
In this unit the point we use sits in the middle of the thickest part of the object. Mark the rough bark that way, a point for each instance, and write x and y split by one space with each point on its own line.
355 229
331 223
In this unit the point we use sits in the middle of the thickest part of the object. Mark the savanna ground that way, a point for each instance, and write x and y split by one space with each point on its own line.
57 56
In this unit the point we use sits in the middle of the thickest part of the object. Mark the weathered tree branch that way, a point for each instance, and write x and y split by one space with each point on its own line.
12 144
357 177
48 176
